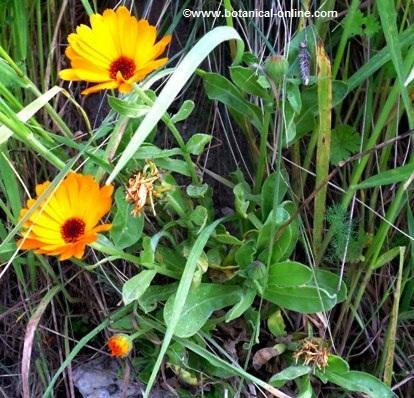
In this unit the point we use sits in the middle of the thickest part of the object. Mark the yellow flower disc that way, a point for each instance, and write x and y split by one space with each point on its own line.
120 345
116 51
67 220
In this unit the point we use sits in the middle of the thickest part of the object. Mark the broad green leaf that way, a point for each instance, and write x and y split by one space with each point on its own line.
337 372
329 282
126 228
289 274
306 300
246 79
290 373
185 110
391 176
197 142
135 287
279 216
201 302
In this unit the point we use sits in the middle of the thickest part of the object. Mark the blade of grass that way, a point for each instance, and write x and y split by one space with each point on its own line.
175 83
28 111
29 336
180 297
389 349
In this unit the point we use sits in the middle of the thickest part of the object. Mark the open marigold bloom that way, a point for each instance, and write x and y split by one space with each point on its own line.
116 51
120 345
67 221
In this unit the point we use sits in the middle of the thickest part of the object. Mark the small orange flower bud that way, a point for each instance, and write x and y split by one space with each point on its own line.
120 345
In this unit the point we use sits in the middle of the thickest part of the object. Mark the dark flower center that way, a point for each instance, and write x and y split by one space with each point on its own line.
124 65
72 230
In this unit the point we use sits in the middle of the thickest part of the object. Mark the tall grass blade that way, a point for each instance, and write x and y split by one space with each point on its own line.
180 297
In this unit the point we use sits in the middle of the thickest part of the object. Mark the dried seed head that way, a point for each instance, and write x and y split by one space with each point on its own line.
313 351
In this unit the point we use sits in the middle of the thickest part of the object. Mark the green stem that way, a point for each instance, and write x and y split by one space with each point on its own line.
263 152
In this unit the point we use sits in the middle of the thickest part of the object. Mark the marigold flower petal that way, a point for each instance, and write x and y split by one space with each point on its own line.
66 222
116 51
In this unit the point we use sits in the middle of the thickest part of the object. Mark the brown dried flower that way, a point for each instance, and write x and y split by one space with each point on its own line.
313 351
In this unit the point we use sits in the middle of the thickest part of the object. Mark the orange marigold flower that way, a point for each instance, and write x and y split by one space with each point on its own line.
120 345
116 51
67 221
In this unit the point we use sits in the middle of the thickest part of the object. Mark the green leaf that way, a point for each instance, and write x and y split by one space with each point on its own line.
154 294
199 216
201 302
290 373
126 229
321 293
135 287
241 203
276 324
338 372
386 257
219 88
185 110
197 142
294 97
288 274
247 80
242 306
391 176
150 151
174 165
196 191
228 239
345 142
245 254
128 108
269 190
279 216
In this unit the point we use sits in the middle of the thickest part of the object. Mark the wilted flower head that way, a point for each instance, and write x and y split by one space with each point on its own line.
313 351
64 223
115 52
